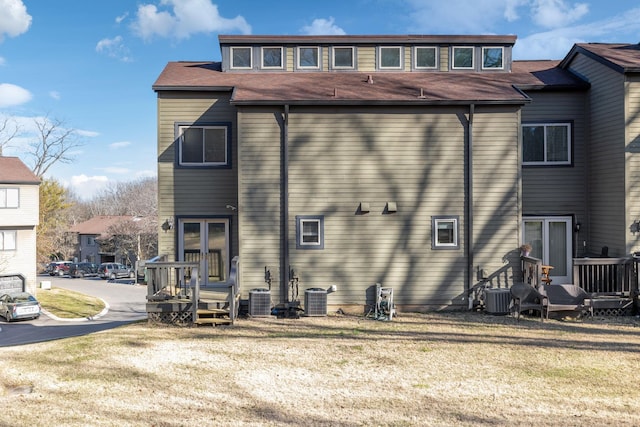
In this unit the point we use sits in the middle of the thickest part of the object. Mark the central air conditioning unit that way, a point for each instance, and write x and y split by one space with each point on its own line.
497 301
315 302
259 302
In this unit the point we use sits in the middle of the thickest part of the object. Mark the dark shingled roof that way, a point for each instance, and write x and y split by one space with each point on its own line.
354 88
622 57
13 171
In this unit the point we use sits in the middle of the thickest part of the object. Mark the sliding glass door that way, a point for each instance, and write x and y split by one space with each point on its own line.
550 240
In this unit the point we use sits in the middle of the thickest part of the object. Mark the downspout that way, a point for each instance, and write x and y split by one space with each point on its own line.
284 210
469 213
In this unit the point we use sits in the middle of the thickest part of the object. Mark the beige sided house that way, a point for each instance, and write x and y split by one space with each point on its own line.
418 162
19 217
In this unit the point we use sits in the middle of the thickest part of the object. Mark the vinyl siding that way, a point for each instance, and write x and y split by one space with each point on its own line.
27 214
632 139
341 157
366 58
558 190
193 191
606 164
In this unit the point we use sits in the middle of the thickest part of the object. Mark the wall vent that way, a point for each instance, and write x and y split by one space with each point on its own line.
259 302
315 302
497 300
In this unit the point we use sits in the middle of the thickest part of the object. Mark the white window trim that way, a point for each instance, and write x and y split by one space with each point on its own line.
318 58
7 196
300 221
484 48
400 50
453 57
546 162
415 57
343 67
181 129
436 220
231 49
272 67
3 240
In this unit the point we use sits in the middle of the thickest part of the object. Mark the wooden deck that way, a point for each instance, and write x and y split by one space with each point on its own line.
176 296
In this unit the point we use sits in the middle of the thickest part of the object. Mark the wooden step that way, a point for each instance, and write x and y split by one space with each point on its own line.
213 321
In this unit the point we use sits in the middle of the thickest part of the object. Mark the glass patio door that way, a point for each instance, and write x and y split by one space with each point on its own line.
207 242
550 240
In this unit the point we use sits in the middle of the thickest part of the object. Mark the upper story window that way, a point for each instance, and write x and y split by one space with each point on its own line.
444 232
343 57
462 58
425 57
492 58
390 57
310 232
9 198
546 144
272 57
8 240
204 145
241 58
309 57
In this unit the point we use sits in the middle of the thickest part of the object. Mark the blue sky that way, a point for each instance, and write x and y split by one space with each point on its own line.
91 64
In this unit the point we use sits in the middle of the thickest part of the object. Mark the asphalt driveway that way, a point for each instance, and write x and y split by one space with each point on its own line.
125 301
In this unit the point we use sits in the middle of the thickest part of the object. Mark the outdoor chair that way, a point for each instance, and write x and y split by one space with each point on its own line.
525 297
568 298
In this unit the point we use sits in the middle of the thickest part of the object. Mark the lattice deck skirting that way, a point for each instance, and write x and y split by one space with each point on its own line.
172 318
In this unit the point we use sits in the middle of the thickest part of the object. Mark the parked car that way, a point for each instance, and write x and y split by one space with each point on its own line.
83 269
114 270
59 268
19 305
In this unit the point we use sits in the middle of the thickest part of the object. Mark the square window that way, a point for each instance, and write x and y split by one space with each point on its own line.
444 232
308 57
389 58
546 144
8 240
310 232
462 58
9 197
492 58
203 145
425 57
241 58
272 57
343 57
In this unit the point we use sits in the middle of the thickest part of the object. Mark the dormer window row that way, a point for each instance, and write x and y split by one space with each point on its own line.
367 58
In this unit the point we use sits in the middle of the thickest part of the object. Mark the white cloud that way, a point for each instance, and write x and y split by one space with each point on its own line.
87 133
86 187
11 95
464 16
54 94
184 18
14 19
118 145
2 61
557 13
555 44
114 48
122 17
323 27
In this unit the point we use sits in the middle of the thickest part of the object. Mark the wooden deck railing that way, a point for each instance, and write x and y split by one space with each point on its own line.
531 271
606 276
166 280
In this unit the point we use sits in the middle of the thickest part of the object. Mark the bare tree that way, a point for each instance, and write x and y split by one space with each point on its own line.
136 236
9 129
55 141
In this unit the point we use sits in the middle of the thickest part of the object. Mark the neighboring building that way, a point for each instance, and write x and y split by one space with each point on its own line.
418 162
19 217
95 239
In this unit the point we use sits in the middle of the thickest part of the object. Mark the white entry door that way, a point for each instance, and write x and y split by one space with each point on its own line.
206 241
550 240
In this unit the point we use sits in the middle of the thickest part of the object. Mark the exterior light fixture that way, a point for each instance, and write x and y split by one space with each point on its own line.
167 225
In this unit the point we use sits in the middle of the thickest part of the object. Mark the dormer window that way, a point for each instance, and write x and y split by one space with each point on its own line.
389 58
241 58
272 57
343 57
425 58
309 57
492 58
462 58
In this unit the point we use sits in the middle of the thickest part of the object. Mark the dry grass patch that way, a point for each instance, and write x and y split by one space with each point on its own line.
432 369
